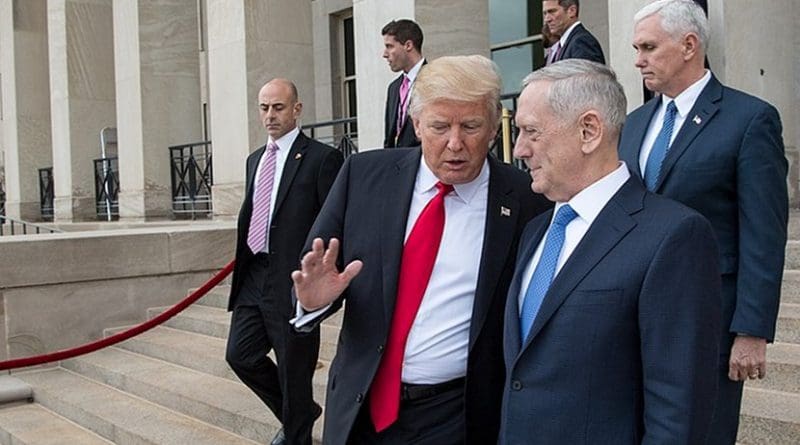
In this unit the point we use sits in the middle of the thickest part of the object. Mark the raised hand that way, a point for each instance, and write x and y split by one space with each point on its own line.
318 282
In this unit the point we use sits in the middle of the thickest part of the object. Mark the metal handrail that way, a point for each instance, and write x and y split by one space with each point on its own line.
192 178
341 133
24 224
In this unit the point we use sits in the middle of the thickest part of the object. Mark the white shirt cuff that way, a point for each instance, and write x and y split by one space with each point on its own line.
303 318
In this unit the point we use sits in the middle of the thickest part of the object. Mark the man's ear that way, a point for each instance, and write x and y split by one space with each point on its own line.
591 131
408 45
691 46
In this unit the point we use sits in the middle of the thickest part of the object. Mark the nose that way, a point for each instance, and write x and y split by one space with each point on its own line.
640 60
520 151
455 142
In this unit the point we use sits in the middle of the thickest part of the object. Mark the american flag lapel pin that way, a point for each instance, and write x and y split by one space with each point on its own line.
696 119
505 211
298 155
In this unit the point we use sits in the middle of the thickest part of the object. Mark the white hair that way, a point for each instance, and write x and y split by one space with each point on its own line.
678 18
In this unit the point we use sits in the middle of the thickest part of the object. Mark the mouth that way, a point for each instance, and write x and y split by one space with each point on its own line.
455 164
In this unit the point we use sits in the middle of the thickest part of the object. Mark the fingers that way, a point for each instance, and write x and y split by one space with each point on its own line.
352 270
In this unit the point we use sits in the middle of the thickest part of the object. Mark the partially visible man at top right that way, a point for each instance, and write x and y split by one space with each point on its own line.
719 151
574 40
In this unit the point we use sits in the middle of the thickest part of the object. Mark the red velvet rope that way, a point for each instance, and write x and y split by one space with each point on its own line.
120 336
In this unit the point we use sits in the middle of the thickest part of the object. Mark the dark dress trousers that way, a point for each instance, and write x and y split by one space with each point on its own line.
623 349
367 210
407 136
261 289
727 162
581 44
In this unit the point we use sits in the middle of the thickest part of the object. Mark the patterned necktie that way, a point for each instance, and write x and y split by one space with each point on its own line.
258 235
419 255
652 169
545 270
553 54
401 111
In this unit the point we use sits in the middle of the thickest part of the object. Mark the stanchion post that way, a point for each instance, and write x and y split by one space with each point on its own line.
506 135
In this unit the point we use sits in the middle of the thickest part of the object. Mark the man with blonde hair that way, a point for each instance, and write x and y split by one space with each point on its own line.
425 239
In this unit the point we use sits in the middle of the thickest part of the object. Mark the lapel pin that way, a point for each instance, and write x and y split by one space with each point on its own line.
505 211
697 119
298 155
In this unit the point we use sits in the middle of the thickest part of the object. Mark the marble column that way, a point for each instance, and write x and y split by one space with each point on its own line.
25 103
249 43
81 100
158 99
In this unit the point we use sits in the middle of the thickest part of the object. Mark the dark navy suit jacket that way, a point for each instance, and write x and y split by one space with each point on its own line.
624 347
581 44
727 162
407 136
367 210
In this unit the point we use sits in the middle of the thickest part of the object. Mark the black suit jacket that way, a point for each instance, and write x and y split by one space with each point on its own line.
581 44
308 173
624 347
407 138
368 210
727 162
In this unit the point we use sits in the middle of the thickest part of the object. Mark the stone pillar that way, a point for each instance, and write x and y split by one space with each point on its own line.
249 43
81 101
26 103
621 55
157 98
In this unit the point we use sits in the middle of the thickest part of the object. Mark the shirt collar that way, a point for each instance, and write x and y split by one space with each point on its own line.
590 201
563 39
286 141
412 73
426 181
685 101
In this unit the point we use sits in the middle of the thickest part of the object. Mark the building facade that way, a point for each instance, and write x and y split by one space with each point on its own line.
82 80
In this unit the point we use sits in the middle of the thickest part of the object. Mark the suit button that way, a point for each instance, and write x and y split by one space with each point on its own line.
359 398
380 349
516 385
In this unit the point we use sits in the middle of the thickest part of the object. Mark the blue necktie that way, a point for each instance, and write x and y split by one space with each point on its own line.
652 169
545 270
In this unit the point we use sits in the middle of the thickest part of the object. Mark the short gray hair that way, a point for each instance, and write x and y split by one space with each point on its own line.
462 78
580 85
678 18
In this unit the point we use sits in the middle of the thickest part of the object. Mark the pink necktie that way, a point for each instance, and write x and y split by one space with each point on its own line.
262 201
416 265
401 111
554 50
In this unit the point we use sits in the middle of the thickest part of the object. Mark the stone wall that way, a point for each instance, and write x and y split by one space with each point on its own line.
62 290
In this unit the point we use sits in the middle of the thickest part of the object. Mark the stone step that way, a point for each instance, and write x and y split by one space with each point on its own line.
200 353
222 402
119 417
33 424
783 369
792 254
788 327
794 225
217 297
769 417
790 290
215 322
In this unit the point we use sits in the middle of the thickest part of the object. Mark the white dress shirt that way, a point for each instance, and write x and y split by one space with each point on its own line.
587 204
684 103
438 343
284 145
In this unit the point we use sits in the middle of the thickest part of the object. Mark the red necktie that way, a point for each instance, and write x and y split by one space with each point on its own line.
419 255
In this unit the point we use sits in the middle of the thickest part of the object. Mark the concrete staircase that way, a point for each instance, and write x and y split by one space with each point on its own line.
171 385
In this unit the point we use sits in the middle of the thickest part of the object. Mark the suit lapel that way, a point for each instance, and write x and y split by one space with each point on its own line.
502 213
705 107
252 166
394 102
292 163
396 203
632 149
526 249
610 226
